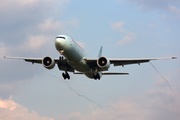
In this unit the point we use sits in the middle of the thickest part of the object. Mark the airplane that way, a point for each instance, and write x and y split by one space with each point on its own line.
74 58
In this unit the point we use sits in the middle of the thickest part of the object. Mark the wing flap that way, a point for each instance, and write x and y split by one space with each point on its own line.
122 63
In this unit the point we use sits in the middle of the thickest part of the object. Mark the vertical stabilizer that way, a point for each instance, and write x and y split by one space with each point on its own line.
100 52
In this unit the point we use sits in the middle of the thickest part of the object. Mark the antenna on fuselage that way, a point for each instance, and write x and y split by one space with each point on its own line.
100 52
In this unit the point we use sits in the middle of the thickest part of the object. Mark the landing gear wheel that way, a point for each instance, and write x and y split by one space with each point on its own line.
61 58
96 76
65 75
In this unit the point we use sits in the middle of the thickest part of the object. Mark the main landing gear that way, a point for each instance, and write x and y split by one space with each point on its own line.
96 76
65 75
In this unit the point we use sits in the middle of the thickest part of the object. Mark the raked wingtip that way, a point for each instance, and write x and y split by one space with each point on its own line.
174 57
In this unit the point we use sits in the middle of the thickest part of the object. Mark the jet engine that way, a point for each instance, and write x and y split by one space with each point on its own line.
48 62
103 63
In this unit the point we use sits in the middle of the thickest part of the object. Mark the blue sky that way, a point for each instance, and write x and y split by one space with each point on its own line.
125 29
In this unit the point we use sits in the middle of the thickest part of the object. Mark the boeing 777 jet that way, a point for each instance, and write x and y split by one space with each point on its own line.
73 57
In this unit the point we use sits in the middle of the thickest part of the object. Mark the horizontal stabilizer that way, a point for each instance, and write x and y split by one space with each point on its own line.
106 73
115 73
78 73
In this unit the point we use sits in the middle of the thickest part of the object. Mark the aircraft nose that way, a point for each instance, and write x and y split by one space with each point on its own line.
59 43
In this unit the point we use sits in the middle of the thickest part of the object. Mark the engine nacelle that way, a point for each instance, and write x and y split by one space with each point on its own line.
103 63
48 62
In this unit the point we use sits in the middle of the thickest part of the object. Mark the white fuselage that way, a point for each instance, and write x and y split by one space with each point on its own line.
74 54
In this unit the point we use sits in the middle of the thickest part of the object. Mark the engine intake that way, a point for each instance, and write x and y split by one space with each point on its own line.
48 62
103 63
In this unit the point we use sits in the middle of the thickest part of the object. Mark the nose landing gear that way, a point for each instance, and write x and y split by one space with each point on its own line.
65 75
61 58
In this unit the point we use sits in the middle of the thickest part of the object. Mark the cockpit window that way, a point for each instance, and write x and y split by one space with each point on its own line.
61 37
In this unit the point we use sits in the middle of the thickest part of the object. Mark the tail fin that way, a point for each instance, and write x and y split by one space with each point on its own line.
100 52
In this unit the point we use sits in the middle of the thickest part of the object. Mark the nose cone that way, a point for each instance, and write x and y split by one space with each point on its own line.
60 43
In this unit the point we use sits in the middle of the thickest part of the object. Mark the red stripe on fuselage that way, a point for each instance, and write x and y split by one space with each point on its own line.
77 44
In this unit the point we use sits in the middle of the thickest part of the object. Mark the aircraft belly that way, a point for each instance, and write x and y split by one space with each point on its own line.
81 67
72 55
89 75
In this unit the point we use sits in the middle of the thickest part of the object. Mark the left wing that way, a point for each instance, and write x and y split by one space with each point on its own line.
62 63
33 60
36 60
125 61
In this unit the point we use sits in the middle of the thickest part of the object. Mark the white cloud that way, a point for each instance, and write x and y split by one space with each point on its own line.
35 42
4 87
9 104
52 25
153 25
20 4
49 26
174 9
161 5
25 2
157 104
128 38
118 26
10 110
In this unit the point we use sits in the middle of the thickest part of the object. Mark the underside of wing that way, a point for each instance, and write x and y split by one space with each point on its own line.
37 60
33 60
124 61
127 61
62 63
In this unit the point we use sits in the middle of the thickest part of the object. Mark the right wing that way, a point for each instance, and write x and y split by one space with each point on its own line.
124 61
127 61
